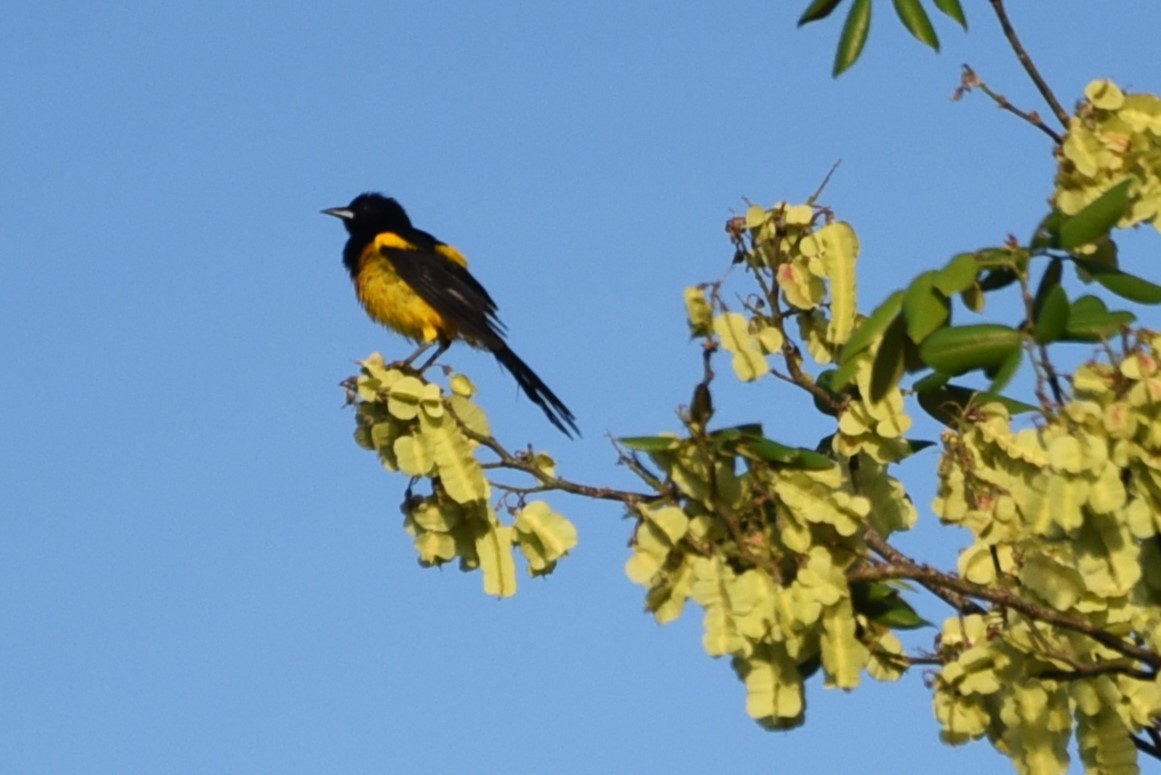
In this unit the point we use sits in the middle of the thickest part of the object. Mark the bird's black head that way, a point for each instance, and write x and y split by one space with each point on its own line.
366 216
369 214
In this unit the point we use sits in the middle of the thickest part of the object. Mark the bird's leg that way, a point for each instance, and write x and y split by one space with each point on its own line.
406 362
443 345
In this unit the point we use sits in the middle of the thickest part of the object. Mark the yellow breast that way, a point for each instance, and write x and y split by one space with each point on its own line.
392 302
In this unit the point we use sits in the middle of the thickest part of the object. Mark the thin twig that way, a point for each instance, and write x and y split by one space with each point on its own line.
1041 366
879 545
904 660
634 464
971 81
1026 61
1087 671
791 354
549 482
1053 377
930 577
818 191
723 510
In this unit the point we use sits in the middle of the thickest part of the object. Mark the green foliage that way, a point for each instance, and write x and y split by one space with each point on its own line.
917 22
1097 192
774 545
957 350
1110 171
853 37
758 533
422 432
1097 217
911 13
543 537
1090 320
785 544
881 603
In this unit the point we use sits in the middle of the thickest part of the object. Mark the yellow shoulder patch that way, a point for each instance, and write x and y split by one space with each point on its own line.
451 254
391 240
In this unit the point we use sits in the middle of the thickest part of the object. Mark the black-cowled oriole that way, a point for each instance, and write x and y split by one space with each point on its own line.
419 286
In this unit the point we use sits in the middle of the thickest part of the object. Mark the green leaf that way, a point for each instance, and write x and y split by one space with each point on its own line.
494 548
733 330
958 275
1001 265
933 381
963 348
947 403
1125 285
973 298
649 443
846 373
810 666
941 408
461 386
793 457
412 456
915 446
701 407
917 22
698 312
882 317
925 308
459 472
1052 317
471 415
901 617
1097 219
1049 280
432 515
952 8
843 655
1001 258
404 397
670 520
842 252
1001 374
889 360
819 9
911 360
1048 232
826 381
543 536
854 36
996 279
1102 253
882 604
1089 320
774 693
750 430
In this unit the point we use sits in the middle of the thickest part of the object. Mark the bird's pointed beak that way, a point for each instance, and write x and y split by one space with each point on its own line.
340 212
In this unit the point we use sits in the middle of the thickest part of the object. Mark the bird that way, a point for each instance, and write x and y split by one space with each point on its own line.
411 282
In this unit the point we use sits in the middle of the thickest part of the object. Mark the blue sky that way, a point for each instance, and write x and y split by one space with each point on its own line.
200 571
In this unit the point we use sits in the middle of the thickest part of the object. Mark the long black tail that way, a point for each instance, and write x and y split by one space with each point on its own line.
534 387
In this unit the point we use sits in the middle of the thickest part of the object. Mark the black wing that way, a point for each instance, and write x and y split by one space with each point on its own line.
451 291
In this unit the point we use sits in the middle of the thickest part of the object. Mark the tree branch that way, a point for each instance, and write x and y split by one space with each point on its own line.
930 577
1030 68
1079 671
970 81
895 557
518 462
